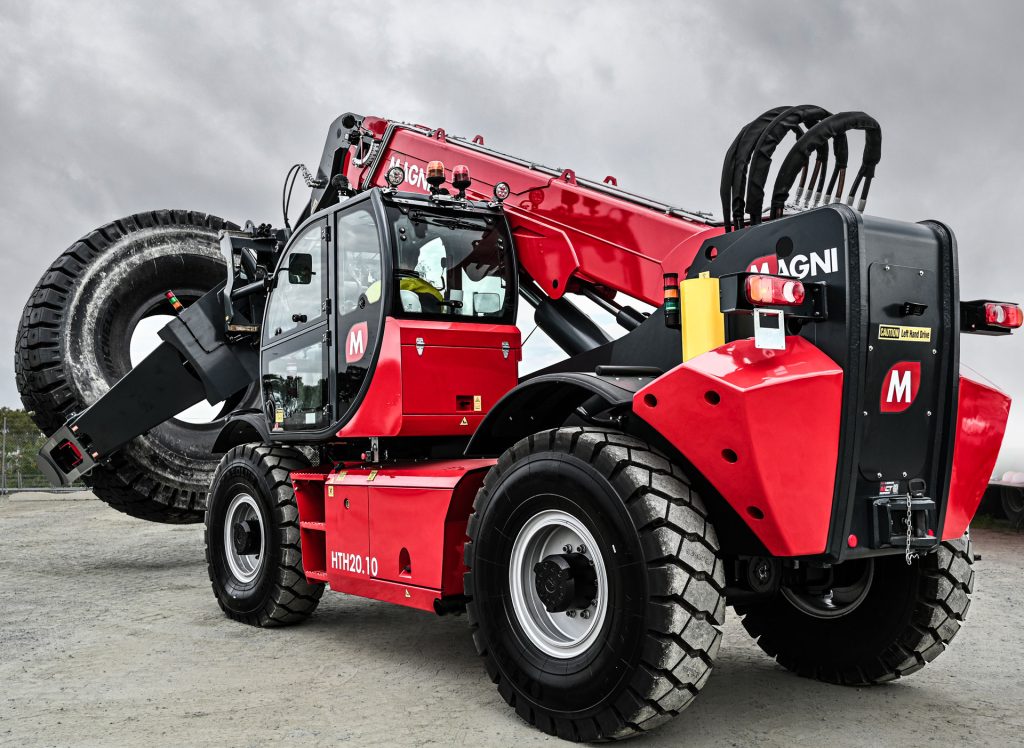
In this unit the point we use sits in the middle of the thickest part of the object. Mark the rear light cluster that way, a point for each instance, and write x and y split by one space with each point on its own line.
984 317
770 290
1003 315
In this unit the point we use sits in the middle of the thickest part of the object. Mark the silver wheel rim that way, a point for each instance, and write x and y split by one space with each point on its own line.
244 567
555 634
841 601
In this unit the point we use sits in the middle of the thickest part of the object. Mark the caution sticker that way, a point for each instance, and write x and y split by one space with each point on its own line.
904 333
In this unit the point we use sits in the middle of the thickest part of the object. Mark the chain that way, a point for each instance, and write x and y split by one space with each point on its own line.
309 179
910 555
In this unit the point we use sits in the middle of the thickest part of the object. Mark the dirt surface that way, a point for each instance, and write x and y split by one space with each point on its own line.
110 635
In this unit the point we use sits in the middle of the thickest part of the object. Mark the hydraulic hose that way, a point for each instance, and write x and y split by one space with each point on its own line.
827 129
742 144
760 163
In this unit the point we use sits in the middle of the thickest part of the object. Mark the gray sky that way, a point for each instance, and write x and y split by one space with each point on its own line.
113 108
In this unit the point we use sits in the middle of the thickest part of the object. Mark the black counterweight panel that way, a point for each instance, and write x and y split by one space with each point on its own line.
901 392
849 252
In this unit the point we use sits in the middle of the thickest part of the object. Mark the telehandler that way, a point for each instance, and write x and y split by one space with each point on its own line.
783 427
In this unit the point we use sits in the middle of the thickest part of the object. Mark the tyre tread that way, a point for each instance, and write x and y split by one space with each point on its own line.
45 388
934 622
293 598
667 514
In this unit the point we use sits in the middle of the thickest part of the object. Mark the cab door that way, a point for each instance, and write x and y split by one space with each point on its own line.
295 360
361 300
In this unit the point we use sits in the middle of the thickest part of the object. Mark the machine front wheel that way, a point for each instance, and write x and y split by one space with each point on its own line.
891 620
595 582
252 538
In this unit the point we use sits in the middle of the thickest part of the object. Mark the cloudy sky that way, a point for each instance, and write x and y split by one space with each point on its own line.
113 108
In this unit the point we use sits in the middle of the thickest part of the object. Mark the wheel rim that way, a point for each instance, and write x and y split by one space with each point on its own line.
840 600
243 510
557 634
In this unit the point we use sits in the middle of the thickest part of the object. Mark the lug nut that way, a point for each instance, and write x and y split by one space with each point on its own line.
567 548
581 549
571 613
584 614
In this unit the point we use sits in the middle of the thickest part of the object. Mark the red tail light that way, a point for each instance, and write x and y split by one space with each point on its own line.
770 290
1009 316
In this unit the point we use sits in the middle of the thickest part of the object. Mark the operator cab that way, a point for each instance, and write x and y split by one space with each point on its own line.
418 290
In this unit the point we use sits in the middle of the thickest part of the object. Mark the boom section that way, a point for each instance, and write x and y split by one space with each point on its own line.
568 230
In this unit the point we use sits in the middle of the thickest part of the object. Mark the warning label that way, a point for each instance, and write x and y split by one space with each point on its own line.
900 332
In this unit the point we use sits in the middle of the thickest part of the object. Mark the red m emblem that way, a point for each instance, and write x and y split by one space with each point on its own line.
355 342
899 386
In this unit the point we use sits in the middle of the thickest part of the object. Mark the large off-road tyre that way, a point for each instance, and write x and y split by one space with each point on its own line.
73 345
907 617
648 576
253 551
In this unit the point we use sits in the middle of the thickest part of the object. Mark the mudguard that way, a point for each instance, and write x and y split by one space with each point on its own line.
548 400
762 427
242 428
982 412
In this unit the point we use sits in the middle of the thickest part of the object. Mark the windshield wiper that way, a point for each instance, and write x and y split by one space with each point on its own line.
448 223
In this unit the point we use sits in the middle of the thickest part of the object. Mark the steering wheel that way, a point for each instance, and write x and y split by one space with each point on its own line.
403 273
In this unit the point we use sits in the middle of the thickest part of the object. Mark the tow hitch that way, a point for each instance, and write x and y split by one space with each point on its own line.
909 520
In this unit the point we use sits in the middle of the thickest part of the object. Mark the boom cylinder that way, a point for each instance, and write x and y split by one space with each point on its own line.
570 329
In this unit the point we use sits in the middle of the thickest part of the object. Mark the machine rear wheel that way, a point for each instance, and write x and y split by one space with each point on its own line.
73 345
595 583
1012 499
901 620
253 550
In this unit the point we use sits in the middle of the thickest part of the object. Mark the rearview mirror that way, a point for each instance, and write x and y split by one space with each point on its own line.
486 303
300 269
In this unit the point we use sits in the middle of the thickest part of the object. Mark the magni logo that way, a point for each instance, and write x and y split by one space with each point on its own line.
798 266
415 174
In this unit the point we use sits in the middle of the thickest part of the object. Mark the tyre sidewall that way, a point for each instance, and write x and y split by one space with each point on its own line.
237 475
585 684
120 286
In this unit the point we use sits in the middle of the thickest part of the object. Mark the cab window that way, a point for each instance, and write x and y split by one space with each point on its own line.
295 385
447 264
297 298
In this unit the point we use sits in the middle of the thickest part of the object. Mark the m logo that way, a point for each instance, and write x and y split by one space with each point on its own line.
355 343
899 386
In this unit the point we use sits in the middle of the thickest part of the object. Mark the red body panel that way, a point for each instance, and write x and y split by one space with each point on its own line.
414 394
763 427
982 412
562 229
394 534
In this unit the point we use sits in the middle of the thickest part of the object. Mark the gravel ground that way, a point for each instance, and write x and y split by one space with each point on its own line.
110 635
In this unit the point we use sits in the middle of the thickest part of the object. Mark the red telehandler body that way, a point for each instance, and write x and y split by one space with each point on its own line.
789 432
